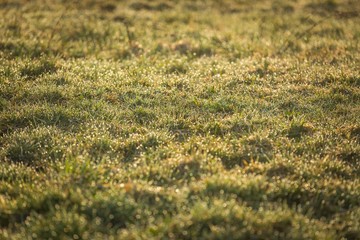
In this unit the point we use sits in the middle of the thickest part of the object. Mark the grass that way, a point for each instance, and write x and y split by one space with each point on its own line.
179 119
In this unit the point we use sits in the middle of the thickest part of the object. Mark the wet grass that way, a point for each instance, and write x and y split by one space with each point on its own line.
179 120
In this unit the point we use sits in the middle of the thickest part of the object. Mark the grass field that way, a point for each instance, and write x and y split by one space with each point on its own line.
180 119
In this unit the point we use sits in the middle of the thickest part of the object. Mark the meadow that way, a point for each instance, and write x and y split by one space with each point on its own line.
180 119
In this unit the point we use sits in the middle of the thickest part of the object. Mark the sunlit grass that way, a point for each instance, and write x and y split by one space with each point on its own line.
179 120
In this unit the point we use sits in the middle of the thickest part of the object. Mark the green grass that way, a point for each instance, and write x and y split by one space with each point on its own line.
180 119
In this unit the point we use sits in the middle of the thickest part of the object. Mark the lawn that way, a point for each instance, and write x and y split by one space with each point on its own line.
180 119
